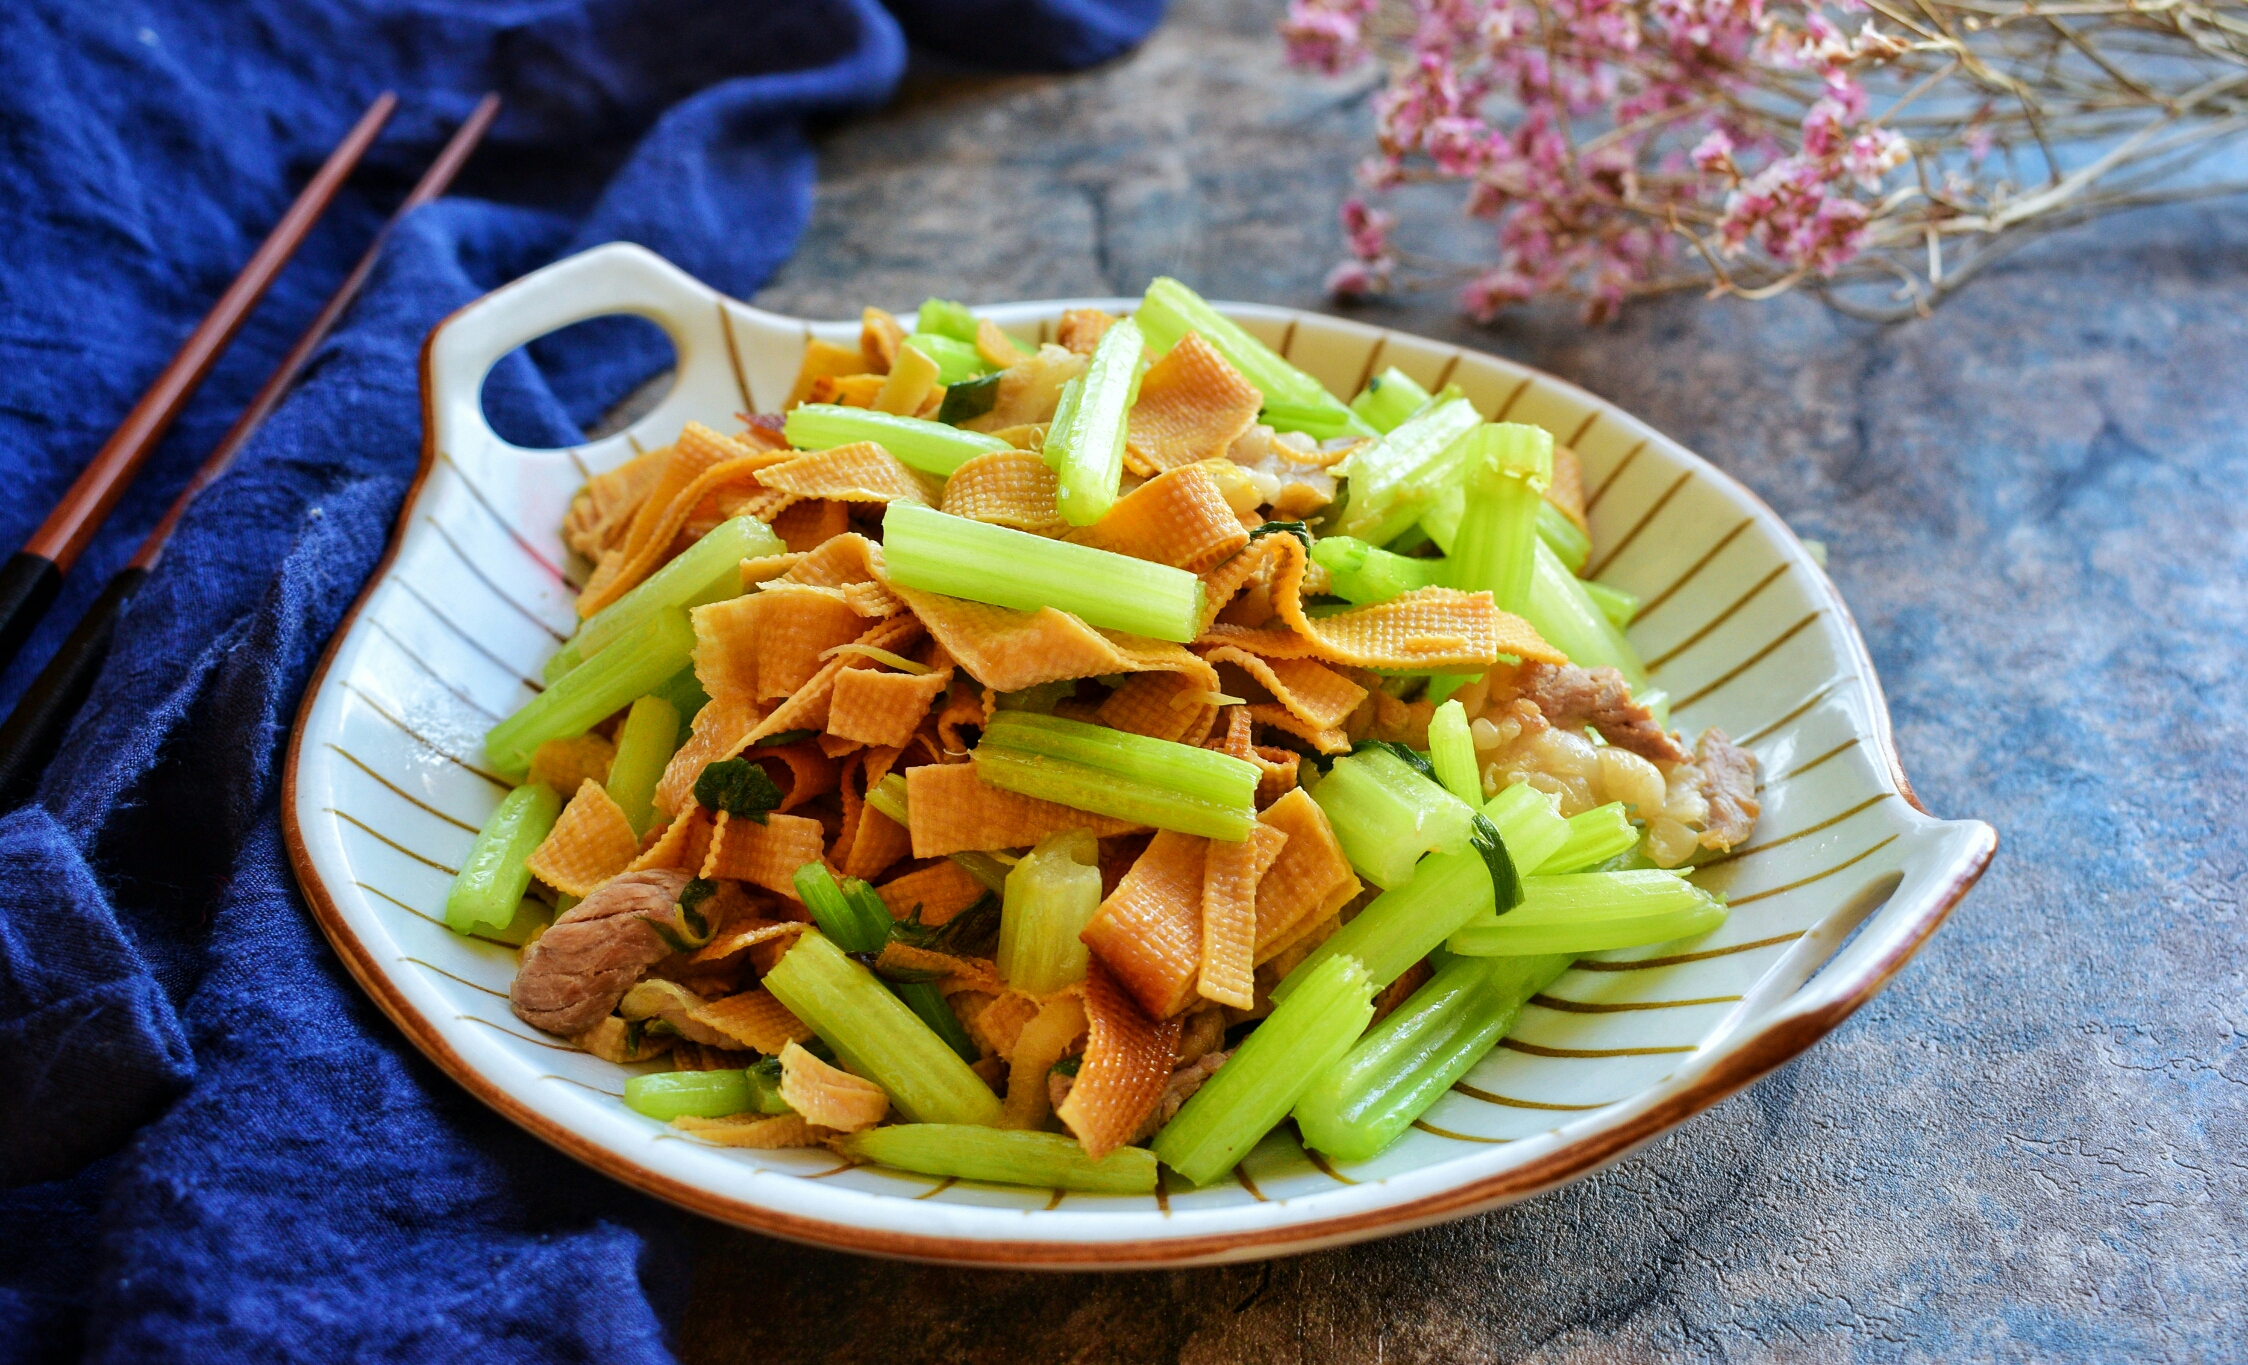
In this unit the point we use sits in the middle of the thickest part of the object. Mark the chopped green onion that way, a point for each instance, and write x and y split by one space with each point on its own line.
1394 480
638 663
1008 1157
1569 620
843 918
936 552
1506 883
888 797
942 317
1363 573
740 787
1051 896
1304 1035
1403 925
876 1036
1169 310
1595 836
1360 1104
1591 911
1389 399
1085 442
931 447
1567 540
1386 815
1529 824
1495 551
983 867
645 743
968 399
1451 751
490 885
1114 772
1614 603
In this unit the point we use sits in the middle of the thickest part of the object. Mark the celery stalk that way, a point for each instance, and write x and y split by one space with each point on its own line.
637 664
492 879
931 447
532 916
1114 772
1270 1071
984 868
1614 603
1085 442
943 317
842 917
888 797
955 360
1013 1158
876 1036
710 570
1505 479
1569 620
1402 926
1051 896
1393 481
1389 399
1532 829
1592 911
702 1094
1169 310
935 552
875 924
1386 815
1451 751
1404 1064
1363 573
685 693
645 743
1595 836
1563 536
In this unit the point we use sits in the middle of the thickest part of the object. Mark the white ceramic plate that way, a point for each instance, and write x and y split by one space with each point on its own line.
386 789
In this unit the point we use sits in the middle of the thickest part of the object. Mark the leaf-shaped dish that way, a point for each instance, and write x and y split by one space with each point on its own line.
1845 878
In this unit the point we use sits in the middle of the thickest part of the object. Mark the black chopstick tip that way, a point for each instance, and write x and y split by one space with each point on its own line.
28 584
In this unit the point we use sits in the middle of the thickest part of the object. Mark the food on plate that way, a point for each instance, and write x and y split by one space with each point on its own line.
1050 763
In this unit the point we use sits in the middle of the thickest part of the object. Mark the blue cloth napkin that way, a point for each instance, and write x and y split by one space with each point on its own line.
212 1146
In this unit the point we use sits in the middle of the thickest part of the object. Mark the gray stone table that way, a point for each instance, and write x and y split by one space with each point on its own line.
2034 1145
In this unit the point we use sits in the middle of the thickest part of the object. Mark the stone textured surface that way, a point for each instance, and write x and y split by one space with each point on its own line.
2035 1144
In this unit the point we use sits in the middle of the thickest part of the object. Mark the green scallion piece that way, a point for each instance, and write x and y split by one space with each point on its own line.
645 743
1394 481
1085 442
1169 310
1390 397
1051 895
1403 925
1528 823
1051 1160
931 447
875 1035
1404 1064
1569 620
1303 1036
1614 603
1592 911
1451 751
635 665
1563 536
888 796
1386 815
1114 772
842 918
1362 574
490 885
936 552
1595 836
1503 485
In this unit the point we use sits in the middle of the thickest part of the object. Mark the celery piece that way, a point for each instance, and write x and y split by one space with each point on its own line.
937 552
490 885
1322 421
561 661
1386 815
1304 1035
764 1076
1504 484
888 797
1498 860
876 1036
638 663
931 447
710 570
942 317
1169 310
1360 1104
1529 824
1614 603
1394 480
1591 911
873 923
1052 1160
1085 442
1569 620
1390 397
843 918
702 1094
1402 926
984 868
532 916
1114 772
685 693
928 1004
1595 836
1451 751
645 743
1050 898
956 361
1564 537
1361 573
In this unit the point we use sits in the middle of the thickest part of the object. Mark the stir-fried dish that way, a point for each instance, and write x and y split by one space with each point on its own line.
1035 763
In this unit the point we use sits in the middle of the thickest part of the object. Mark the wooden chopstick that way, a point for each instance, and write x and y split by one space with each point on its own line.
35 728
32 577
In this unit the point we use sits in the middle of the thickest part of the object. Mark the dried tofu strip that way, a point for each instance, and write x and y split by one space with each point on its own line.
1331 740
869 841
1011 650
720 730
767 854
1308 881
603 510
1149 930
807 773
955 811
1192 405
1006 488
880 336
755 1019
1168 706
1230 876
951 973
1128 1061
939 891
882 709
737 938
621 571
1081 329
1045 1040
726 640
755 1131
823 360
682 846
839 562
808 525
1566 490
1180 518
1427 628
796 630
1028 392
697 451
964 708
829 1096
996 1026
592 842
566 764
1312 692
859 472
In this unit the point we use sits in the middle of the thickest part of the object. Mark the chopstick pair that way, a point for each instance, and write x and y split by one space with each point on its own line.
30 580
